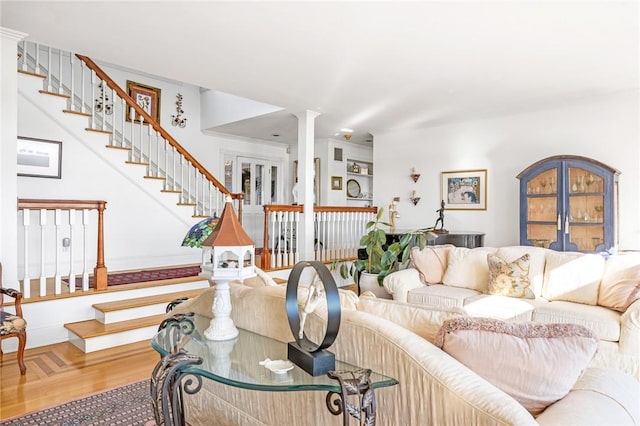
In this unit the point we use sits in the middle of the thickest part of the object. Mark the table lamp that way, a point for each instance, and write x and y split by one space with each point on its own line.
228 254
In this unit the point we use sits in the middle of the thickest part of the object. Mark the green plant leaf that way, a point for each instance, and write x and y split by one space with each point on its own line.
344 271
406 239
379 215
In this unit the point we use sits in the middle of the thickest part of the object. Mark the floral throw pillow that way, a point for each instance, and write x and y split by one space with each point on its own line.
509 278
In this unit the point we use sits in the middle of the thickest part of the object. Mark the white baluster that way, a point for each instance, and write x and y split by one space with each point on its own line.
43 278
281 240
296 221
157 153
72 275
272 246
57 220
72 85
85 250
93 96
24 56
26 280
60 88
103 99
132 153
49 87
123 116
83 108
141 119
37 59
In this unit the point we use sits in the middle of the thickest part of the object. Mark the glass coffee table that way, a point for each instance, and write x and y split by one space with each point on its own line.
187 357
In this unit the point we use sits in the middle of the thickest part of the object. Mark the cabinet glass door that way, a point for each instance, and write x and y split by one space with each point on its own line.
542 208
584 224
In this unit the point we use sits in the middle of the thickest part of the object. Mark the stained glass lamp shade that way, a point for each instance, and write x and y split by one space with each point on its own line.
200 231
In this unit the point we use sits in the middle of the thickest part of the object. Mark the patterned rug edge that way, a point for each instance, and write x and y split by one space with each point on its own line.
35 417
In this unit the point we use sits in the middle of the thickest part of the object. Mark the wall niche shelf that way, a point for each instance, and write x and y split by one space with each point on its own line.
359 182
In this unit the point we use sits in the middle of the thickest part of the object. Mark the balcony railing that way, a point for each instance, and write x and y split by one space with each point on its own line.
337 233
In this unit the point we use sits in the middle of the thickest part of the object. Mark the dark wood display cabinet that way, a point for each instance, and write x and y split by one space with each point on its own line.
569 203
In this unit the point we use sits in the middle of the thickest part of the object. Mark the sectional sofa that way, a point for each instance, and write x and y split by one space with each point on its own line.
434 388
522 283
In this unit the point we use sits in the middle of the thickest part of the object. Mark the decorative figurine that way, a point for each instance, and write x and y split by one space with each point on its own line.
440 220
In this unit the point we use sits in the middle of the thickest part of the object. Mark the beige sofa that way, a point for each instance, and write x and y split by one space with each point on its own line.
433 389
585 289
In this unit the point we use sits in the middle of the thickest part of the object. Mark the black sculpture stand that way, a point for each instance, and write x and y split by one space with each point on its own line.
315 363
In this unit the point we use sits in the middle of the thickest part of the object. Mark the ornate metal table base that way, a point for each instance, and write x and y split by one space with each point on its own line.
171 377
353 383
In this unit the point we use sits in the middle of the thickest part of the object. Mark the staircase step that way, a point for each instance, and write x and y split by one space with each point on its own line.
123 310
84 114
90 129
61 95
92 335
32 74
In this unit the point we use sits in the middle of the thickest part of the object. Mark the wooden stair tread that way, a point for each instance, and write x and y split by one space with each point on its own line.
145 301
69 111
94 328
90 129
60 95
32 74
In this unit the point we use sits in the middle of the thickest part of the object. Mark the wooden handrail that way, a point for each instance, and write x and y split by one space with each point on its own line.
156 126
100 270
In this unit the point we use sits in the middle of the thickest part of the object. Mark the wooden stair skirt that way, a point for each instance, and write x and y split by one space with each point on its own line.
123 321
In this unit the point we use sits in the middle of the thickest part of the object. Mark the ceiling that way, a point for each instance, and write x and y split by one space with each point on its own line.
370 66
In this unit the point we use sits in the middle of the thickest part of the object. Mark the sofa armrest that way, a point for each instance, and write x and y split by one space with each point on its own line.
630 330
398 284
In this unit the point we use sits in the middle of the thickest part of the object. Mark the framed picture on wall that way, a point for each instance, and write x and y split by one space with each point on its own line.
147 98
39 158
464 190
336 183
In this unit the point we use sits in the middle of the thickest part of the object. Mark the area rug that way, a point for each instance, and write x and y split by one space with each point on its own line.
119 278
127 405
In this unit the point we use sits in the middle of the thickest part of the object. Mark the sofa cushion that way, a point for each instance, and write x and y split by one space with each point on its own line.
604 322
537 260
468 268
431 262
537 364
440 296
620 285
509 278
573 277
500 307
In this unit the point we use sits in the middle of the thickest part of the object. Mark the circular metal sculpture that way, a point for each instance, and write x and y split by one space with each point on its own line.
312 357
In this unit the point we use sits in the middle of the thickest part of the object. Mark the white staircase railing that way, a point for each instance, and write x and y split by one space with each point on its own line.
93 93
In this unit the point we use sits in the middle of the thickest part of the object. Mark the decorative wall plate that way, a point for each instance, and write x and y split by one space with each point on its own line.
353 188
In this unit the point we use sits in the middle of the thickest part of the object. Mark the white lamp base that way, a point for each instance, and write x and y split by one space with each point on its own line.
221 326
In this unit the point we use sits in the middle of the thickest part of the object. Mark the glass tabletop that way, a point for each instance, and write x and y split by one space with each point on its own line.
237 362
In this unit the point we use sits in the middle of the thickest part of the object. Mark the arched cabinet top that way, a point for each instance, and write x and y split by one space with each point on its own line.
596 163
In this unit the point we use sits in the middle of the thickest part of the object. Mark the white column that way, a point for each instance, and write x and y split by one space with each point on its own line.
306 140
8 156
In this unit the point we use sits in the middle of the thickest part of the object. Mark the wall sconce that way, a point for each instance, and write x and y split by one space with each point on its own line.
103 102
177 120
414 199
415 176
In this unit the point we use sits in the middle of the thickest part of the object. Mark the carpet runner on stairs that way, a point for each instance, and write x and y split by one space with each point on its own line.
131 277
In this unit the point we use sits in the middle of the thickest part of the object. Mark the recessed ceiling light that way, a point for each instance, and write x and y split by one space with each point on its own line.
346 130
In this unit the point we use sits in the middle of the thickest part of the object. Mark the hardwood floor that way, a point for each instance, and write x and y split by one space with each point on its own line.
60 373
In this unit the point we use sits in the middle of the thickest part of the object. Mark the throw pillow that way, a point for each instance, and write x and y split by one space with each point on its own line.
619 290
509 278
536 364
431 262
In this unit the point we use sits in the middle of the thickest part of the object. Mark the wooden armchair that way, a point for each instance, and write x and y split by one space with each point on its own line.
13 325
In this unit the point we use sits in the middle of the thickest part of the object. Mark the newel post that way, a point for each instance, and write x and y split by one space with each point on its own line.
100 271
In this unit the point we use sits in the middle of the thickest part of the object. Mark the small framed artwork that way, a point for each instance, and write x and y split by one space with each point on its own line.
39 158
464 190
336 183
147 97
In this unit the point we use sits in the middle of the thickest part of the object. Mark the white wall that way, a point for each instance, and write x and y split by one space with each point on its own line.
603 128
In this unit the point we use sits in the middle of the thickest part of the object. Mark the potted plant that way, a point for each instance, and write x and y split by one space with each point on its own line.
382 259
